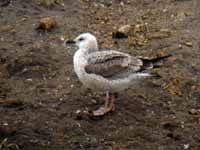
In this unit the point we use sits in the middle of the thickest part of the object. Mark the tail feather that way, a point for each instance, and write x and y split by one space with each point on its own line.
155 62
150 64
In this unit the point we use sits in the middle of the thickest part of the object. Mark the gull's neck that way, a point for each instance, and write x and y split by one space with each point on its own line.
88 48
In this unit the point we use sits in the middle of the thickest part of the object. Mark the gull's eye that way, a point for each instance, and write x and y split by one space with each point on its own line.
81 39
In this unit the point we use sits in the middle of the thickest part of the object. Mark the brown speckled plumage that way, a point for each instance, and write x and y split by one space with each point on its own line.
109 64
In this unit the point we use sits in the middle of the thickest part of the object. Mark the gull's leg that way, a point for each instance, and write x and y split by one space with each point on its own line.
106 108
107 99
112 102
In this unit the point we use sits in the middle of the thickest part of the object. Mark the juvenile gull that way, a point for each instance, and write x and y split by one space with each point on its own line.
108 71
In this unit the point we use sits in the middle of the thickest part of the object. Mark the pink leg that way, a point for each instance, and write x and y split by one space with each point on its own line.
108 106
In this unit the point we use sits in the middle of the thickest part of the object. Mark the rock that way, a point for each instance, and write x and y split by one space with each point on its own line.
11 102
186 146
81 114
6 28
158 35
180 46
140 28
125 29
181 16
189 44
194 111
122 32
47 23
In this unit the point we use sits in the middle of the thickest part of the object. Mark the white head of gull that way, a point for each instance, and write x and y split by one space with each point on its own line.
108 71
87 42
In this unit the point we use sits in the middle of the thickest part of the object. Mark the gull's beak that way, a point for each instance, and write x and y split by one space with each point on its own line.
70 42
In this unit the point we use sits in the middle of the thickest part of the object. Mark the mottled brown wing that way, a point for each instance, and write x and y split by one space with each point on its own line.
111 63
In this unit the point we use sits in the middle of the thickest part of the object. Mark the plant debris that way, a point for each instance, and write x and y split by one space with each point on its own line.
174 87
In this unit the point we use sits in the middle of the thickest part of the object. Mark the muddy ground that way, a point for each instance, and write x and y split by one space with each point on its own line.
40 93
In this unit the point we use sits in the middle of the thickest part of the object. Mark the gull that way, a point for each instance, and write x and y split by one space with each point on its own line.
108 71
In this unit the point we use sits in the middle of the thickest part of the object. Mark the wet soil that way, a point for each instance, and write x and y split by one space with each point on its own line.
40 93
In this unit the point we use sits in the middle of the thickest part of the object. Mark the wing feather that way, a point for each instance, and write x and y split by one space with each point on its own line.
112 63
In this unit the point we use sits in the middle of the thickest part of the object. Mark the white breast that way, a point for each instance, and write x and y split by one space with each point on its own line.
79 64
89 80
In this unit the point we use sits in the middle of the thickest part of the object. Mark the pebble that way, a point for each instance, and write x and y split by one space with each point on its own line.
188 44
47 23
5 124
62 38
157 35
186 146
181 16
125 29
194 111
122 32
180 46
29 79
78 111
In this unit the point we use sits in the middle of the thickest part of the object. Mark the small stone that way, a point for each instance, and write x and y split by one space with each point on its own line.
47 23
164 10
180 46
140 27
78 111
62 38
122 3
93 101
93 141
194 111
186 146
29 79
122 32
79 114
188 44
158 35
125 28
5 124
60 86
181 16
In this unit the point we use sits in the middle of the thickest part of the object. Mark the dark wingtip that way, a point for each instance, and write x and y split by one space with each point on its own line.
161 58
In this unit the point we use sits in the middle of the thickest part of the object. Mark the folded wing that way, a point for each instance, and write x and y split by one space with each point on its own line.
112 64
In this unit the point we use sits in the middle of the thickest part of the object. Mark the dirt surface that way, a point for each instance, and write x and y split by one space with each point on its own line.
40 93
